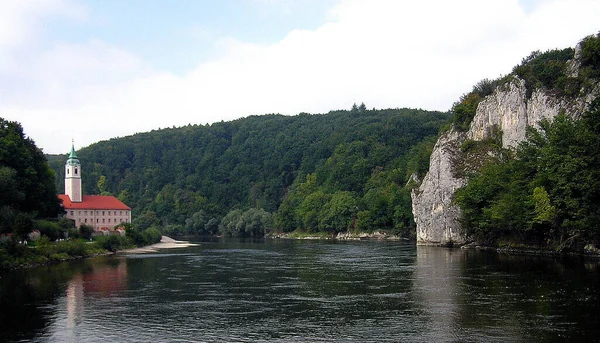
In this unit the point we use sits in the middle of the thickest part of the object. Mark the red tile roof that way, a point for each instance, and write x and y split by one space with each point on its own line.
94 202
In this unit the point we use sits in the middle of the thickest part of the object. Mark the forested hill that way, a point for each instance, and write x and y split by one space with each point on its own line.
331 172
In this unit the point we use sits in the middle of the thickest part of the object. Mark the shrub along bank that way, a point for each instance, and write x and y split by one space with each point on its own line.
14 254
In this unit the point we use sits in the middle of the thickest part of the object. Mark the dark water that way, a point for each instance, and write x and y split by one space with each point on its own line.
304 291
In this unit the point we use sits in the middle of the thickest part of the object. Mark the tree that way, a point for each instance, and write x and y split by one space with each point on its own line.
362 108
22 226
86 231
337 214
103 185
27 188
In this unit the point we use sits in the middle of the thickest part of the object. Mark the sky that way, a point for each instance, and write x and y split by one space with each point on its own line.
92 70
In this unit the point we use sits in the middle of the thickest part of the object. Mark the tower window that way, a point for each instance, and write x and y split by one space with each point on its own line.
68 171
75 171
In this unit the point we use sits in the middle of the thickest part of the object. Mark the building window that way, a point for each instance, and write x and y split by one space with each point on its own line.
86 220
68 172
85 212
97 220
102 212
71 212
115 213
102 220
75 171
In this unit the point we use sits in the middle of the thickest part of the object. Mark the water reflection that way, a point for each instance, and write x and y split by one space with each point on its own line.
101 280
295 291
39 302
437 281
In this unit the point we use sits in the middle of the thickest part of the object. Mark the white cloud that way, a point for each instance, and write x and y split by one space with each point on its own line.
422 54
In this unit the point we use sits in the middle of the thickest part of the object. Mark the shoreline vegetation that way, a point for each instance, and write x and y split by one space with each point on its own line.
530 250
16 256
504 248
347 235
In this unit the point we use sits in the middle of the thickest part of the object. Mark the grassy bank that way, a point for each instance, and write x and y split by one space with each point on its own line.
16 255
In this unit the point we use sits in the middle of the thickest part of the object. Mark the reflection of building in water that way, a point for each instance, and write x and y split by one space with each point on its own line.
106 279
103 280
74 301
437 279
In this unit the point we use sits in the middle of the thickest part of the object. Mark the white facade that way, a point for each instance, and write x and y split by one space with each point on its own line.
73 177
99 219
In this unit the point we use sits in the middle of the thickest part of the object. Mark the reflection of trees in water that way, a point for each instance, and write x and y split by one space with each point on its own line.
25 293
526 298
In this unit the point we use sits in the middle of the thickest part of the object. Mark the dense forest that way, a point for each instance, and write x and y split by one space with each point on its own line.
347 169
27 189
547 192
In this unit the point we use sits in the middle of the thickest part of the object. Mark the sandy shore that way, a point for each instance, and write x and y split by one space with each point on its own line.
165 243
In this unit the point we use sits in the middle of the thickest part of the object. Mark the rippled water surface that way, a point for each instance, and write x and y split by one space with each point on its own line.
304 291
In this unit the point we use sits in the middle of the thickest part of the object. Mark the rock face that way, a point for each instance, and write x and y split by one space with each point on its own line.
508 109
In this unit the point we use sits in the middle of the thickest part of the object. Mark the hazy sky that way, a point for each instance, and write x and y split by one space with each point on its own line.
93 70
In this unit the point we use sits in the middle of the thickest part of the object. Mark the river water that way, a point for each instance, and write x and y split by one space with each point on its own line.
304 291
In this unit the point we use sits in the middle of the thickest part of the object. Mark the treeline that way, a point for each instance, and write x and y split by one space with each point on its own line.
27 189
206 179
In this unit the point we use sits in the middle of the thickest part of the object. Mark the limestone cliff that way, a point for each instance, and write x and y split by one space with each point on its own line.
507 108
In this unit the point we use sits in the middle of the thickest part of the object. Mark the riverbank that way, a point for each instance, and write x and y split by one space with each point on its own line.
17 256
588 250
165 243
344 236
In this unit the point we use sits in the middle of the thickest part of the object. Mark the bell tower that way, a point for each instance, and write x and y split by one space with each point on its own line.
73 176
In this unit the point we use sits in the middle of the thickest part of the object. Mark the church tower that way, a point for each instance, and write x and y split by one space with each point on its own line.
73 177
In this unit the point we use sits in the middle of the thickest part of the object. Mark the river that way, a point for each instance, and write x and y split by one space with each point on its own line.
304 291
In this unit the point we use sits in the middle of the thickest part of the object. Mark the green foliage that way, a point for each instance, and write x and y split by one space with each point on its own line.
545 213
151 236
544 70
22 225
188 179
141 238
13 254
338 213
86 231
250 223
49 229
114 242
27 188
417 160
549 194
590 56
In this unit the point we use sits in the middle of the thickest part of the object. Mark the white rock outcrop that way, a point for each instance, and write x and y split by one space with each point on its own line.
507 108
